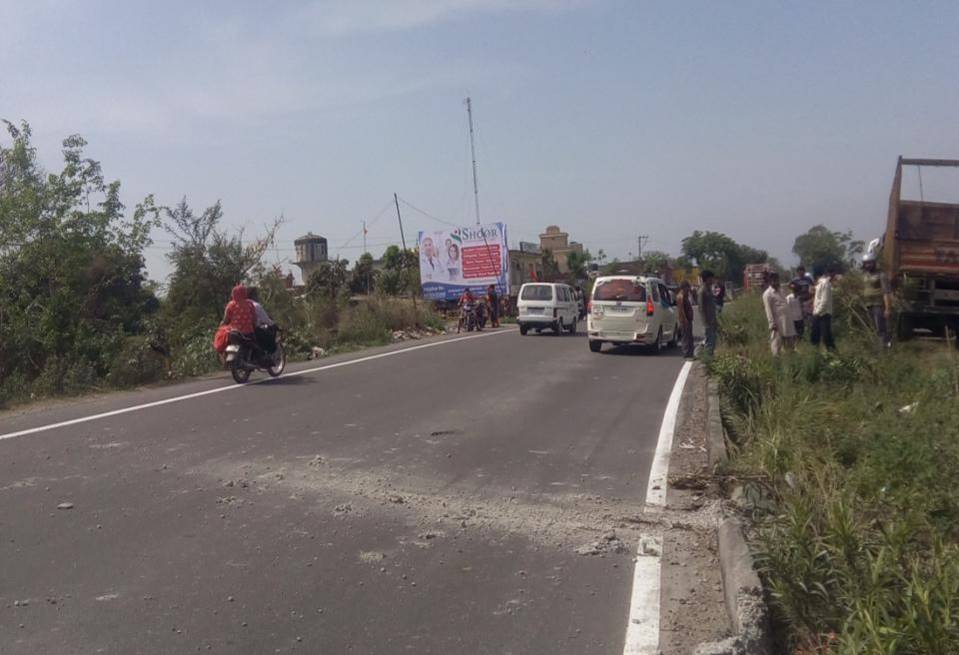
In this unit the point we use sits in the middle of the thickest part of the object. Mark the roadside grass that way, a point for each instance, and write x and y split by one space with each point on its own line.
851 464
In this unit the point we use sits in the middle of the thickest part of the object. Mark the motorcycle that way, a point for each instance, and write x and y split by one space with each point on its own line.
468 318
244 355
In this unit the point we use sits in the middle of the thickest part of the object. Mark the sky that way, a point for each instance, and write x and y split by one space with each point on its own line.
611 119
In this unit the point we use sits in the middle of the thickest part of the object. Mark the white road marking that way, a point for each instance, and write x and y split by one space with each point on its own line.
642 629
234 387
658 472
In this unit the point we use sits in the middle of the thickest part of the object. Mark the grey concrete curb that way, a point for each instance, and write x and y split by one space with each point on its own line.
716 436
742 588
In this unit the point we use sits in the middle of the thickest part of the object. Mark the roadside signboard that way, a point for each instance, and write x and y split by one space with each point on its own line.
460 257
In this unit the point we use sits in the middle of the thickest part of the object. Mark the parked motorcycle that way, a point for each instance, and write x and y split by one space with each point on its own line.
244 355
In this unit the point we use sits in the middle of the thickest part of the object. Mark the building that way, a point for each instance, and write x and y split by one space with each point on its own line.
524 266
558 243
311 252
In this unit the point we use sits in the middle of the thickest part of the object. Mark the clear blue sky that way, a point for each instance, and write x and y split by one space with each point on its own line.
611 119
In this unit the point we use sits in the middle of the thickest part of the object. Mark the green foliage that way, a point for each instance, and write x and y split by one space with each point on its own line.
577 262
719 253
550 265
72 284
329 280
823 247
853 497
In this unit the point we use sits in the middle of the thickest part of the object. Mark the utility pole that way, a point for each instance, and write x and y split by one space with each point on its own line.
469 113
399 218
640 241
364 252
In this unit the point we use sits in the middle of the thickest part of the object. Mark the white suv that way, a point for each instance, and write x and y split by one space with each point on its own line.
626 309
543 305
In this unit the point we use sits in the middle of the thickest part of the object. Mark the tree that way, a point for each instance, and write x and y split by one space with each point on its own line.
401 272
207 261
361 279
601 257
329 279
72 281
577 262
822 247
716 251
656 261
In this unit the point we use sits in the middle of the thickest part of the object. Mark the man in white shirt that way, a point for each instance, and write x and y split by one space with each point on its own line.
822 309
264 325
775 306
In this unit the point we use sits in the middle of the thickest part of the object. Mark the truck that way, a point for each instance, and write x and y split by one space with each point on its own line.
920 254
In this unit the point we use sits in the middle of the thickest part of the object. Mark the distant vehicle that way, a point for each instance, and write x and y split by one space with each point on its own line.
547 306
920 254
627 309
244 355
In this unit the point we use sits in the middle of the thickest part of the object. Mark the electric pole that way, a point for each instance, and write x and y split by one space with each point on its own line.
399 219
469 113
640 241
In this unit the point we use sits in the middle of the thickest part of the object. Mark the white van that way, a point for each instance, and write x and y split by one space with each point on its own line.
544 305
626 309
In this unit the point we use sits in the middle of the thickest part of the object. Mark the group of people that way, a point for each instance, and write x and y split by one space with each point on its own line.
810 300
712 297
468 303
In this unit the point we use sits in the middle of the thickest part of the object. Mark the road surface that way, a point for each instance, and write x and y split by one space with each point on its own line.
435 500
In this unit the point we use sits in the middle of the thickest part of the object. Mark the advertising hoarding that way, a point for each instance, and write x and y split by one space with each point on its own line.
456 258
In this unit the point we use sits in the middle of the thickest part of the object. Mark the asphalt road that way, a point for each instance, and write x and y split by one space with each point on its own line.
429 501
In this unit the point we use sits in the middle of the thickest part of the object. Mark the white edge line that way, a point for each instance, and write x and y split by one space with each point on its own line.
642 628
659 470
234 387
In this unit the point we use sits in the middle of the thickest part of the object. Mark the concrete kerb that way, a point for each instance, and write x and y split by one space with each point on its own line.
742 588
716 436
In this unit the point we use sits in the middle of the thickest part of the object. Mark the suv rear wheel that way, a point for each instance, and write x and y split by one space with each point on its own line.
595 346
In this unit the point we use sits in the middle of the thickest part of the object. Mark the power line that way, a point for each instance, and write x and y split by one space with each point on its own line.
427 214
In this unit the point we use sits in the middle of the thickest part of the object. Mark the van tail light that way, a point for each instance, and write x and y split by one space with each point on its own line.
650 308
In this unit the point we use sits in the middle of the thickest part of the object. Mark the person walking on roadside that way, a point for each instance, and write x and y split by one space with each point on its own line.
707 306
822 309
803 285
877 294
774 303
719 293
684 310
492 303
794 313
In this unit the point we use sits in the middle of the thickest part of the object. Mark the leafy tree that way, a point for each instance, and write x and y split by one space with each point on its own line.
823 247
207 261
656 261
72 283
401 271
601 257
362 277
329 279
724 256
577 263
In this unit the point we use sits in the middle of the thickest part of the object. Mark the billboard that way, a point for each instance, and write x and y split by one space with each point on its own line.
456 258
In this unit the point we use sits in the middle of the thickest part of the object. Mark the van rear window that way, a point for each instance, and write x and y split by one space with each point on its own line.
621 290
537 292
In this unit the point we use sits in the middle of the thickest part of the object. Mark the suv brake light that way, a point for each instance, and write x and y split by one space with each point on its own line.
650 308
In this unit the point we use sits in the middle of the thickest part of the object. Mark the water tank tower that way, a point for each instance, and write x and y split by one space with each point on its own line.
311 252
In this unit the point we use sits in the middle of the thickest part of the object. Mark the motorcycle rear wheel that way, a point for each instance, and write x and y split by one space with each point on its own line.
239 372
279 362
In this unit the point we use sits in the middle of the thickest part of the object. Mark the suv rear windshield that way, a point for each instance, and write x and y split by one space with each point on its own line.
537 292
620 289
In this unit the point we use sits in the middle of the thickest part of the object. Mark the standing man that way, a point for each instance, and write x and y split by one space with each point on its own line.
822 309
775 306
492 302
802 287
684 309
719 292
707 305
878 296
